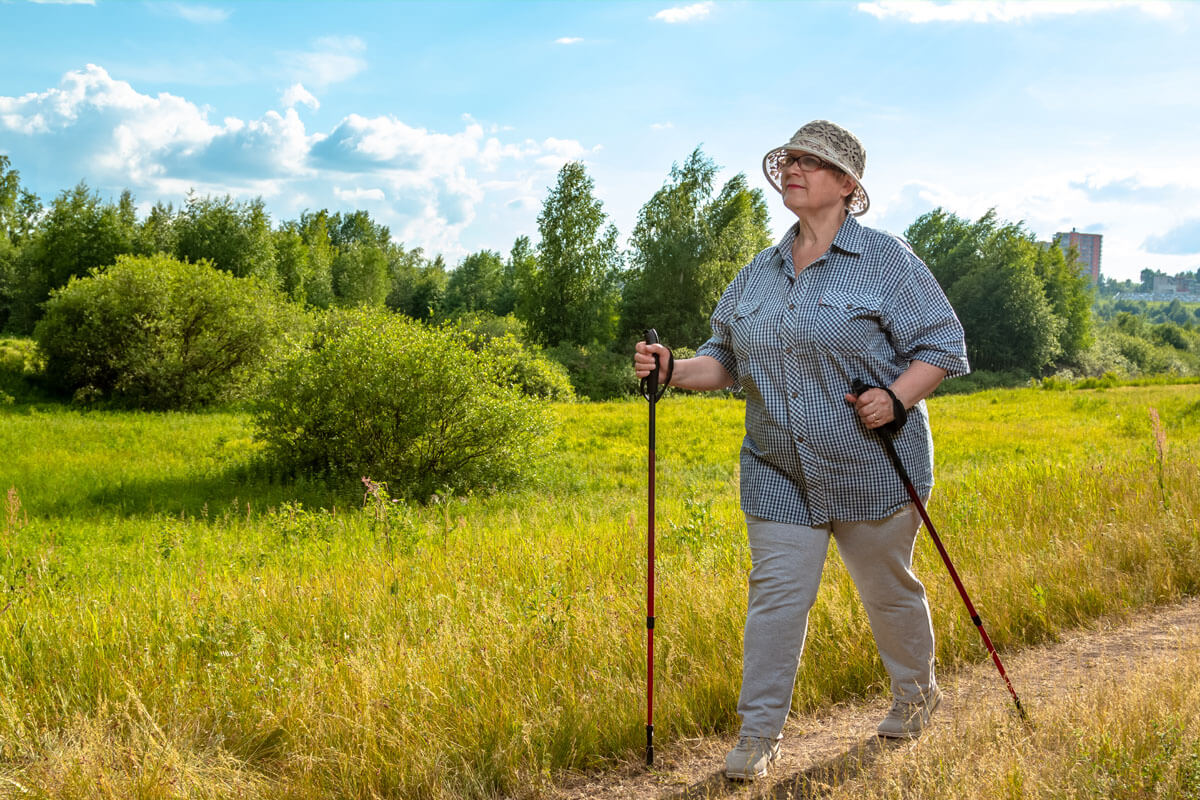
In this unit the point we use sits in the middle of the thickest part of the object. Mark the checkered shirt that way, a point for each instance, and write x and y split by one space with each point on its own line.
866 309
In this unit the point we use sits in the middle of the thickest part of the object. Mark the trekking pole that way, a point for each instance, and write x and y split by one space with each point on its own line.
884 436
652 391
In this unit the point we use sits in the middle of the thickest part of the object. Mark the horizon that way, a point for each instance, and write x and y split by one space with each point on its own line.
449 122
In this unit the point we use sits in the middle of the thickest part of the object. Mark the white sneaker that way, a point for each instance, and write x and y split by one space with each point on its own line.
907 720
751 757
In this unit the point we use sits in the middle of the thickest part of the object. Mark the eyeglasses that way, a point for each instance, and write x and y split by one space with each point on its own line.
807 162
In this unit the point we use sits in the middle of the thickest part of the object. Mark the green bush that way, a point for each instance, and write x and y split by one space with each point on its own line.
155 332
500 339
20 364
378 395
596 373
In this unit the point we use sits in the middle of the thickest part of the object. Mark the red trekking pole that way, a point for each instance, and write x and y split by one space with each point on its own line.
885 436
652 391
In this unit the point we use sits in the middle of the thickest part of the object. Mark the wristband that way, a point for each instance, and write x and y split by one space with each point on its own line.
899 412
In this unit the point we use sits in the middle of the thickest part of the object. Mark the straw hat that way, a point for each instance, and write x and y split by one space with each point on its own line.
831 143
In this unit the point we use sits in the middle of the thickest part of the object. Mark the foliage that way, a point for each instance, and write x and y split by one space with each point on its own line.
524 365
418 287
79 233
360 275
570 291
232 235
597 373
153 332
477 284
687 246
1022 306
376 394
20 365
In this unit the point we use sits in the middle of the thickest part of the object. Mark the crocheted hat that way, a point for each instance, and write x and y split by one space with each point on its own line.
832 143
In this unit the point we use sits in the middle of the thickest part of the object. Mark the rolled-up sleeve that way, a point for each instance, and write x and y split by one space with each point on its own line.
923 325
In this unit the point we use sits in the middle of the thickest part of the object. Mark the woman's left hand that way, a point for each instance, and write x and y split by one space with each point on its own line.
874 407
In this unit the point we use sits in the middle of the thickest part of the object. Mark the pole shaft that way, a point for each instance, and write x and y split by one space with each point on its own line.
650 599
958 584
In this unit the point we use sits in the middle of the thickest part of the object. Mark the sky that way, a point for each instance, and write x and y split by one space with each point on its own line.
449 121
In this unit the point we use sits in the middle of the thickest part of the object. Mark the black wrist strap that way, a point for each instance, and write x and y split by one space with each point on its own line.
899 412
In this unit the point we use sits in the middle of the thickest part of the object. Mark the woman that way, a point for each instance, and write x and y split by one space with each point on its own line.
832 302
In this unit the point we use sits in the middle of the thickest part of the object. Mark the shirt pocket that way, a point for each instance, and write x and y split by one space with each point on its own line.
747 328
849 322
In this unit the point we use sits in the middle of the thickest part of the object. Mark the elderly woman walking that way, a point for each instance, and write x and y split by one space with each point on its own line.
831 302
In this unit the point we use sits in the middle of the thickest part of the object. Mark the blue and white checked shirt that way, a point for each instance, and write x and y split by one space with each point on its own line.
866 309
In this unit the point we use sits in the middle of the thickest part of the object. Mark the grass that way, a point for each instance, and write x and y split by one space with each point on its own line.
175 624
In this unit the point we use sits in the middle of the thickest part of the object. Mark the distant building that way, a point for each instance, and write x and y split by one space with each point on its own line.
1088 246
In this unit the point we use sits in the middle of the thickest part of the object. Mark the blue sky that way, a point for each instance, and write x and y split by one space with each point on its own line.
448 121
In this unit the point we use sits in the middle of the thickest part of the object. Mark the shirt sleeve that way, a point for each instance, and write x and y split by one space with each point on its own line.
923 325
720 344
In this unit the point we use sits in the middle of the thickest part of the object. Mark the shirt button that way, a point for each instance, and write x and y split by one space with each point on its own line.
791 306
794 395
787 349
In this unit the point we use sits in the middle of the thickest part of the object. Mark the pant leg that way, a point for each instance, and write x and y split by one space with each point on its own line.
787 561
878 555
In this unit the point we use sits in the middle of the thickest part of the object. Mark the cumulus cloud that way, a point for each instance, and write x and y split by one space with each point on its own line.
425 184
1183 239
332 59
661 126
685 13
297 94
568 40
922 11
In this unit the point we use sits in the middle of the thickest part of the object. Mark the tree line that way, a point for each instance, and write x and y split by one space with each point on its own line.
574 293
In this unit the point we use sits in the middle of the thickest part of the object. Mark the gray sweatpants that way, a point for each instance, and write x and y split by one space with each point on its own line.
787 561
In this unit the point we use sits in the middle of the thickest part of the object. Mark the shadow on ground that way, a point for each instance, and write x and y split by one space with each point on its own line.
818 780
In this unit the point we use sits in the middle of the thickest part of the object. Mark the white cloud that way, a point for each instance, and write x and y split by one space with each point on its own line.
685 13
661 126
426 185
921 11
296 93
333 59
568 40
358 194
201 15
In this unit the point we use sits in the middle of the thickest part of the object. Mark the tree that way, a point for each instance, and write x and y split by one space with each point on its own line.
79 233
1070 297
156 233
476 283
571 291
360 275
687 246
1006 289
19 210
418 286
233 236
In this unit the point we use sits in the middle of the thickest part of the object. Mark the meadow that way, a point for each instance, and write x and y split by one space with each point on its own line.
174 622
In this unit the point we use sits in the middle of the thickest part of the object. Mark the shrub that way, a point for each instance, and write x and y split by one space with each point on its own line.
155 332
526 366
596 373
378 395
20 365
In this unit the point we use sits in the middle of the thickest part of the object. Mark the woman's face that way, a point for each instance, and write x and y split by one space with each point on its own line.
807 190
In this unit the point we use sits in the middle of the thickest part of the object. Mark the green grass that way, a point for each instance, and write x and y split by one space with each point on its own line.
176 624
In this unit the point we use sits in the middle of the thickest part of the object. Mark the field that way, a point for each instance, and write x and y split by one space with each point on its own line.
173 623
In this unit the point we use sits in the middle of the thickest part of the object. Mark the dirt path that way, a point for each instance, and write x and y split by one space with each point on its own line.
822 750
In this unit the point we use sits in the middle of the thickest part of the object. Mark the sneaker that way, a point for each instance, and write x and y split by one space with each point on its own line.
751 757
907 720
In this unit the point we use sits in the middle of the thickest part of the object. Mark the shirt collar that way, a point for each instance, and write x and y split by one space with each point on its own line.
849 239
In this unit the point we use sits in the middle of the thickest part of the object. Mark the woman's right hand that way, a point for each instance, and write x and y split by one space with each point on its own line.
643 358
